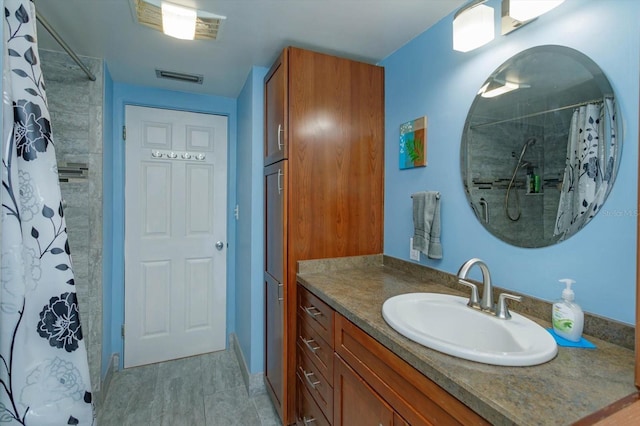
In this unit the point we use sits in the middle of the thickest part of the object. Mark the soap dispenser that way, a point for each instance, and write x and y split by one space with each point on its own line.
567 316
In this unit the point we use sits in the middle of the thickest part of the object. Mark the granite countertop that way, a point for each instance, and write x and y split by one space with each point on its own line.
576 383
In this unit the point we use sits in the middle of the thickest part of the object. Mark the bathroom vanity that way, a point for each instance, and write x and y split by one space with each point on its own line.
345 377
352 365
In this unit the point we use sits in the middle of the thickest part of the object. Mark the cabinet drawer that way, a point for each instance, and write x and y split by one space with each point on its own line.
416 398
315 383
307 411
316 313
318 350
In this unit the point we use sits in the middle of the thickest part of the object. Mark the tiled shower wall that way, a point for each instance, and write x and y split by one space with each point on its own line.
75 104
495 153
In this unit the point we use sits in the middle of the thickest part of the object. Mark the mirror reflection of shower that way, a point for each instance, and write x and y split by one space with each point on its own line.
495 155
520 164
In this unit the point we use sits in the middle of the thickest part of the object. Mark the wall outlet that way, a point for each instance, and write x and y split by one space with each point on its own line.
413 254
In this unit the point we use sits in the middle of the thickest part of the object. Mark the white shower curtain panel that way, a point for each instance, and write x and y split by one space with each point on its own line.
44 374
590 166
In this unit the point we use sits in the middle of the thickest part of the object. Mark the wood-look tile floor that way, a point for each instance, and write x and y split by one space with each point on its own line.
205 390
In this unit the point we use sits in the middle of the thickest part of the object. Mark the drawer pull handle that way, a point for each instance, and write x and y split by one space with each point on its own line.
308 377
308 343
312 311
307 421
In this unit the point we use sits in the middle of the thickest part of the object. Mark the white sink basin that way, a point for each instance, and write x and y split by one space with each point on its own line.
445 323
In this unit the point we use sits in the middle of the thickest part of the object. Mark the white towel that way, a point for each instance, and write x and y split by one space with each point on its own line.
426 223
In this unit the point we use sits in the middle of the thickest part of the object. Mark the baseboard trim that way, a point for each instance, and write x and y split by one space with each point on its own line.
254 383
114 362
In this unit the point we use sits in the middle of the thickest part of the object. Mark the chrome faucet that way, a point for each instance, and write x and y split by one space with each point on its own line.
486 303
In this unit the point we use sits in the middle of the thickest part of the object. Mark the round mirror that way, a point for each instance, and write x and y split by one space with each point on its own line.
540 147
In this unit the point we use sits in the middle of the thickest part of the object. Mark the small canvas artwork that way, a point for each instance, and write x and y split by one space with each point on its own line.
413 143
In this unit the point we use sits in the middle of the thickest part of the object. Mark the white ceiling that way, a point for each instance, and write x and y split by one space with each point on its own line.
253 34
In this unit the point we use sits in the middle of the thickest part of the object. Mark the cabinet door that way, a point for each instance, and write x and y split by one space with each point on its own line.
275 281
355 403
275 190
274 340
275 98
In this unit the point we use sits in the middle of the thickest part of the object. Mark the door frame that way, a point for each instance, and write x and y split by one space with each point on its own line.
113 204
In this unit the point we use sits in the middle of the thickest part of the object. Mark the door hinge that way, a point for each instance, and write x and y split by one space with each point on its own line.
124 133
122 330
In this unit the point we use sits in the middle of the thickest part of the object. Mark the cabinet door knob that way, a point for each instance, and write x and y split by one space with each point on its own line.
308 421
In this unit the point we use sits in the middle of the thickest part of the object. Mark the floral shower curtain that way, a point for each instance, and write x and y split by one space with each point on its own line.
589 167
44 374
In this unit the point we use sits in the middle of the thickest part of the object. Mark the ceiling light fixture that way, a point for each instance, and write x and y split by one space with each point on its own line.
178 21
473 26
150 14
516 13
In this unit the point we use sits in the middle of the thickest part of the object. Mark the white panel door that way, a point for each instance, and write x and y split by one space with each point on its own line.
176 203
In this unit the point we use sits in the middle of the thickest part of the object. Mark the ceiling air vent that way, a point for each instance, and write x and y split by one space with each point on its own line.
149 13
180 76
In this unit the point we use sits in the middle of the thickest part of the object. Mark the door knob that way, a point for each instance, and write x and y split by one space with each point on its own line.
219 245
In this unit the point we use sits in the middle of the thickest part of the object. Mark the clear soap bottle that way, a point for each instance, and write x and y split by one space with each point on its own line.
567 316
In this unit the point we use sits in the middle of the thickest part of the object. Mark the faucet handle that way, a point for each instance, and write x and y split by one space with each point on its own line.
502 311
474 300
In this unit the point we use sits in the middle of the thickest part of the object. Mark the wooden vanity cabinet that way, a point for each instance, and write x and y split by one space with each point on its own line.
415 399
368 384
324 180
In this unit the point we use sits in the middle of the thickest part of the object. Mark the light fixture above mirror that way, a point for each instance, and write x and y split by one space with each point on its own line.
473 26
516 13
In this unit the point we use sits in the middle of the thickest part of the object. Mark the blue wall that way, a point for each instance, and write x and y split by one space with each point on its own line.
250 225
125 94
107 223
426 77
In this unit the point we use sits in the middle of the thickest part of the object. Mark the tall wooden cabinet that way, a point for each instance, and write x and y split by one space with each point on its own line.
324 179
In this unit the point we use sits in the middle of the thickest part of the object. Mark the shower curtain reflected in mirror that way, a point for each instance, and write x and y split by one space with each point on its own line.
589 167
44 374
